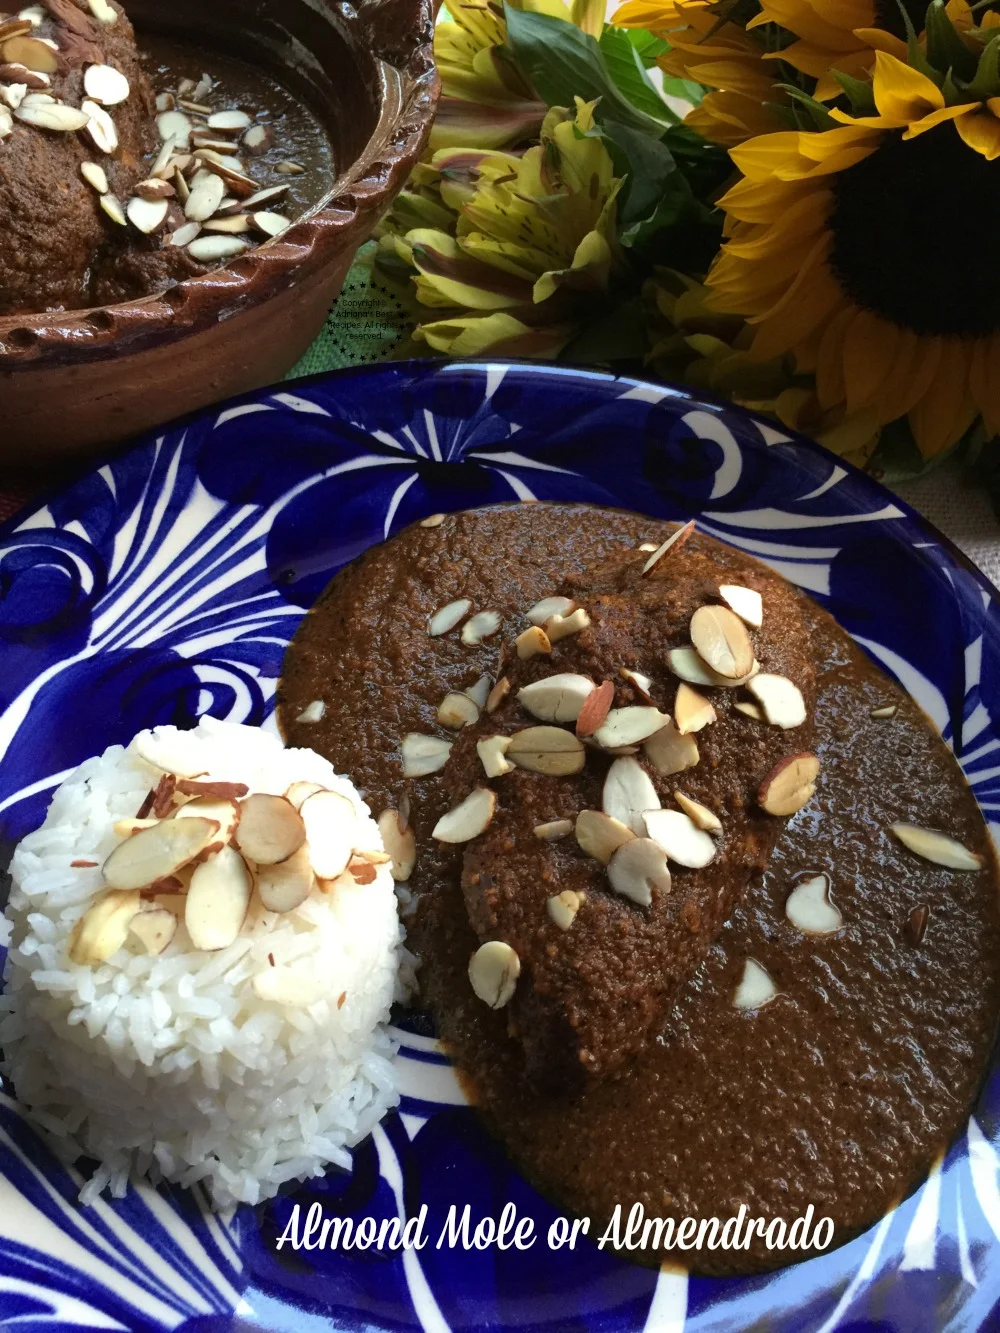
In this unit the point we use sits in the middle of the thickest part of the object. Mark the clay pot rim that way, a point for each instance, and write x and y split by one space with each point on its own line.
353 203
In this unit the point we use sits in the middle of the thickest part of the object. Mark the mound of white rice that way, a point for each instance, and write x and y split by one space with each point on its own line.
170 1065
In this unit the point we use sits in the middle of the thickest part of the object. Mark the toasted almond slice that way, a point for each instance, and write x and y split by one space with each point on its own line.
599 835
331 827
14 27
492 751
554 830
596 708
692 711
687 664
33 52
13 94
257 140
669 752
224 811
112 206
647 547
557 698
234 226
674 542
231 122
639 682
50 116
174 125
746 602
549 607
629 726
628 793
285 885
809 909
375 858
563 907
937 847
432 521
101 128
399 843
312 712
212 249
532 642
154 188
171 752
722 641
749 709
301 791
638 867
270 224
217 901
205 197
146 215
103 928
680 837
780 699
480 692
103 12
423 754
789 785
887 710
95 176
124 828
549 750
445 618
289 986
263 197
270 828
699 814
456 711
493 971
755 989
154 853
154 929
561 627
497 695
481 626
468 819
185 234
105 84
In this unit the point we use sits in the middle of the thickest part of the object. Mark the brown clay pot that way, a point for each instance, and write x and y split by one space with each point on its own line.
76 382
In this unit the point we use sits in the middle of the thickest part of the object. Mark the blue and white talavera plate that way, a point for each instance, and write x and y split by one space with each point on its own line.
166 585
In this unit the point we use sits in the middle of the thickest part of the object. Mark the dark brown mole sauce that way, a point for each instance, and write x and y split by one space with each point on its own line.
839 1093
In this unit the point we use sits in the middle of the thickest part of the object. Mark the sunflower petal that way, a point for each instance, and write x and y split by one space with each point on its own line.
869 349
946 410
982 133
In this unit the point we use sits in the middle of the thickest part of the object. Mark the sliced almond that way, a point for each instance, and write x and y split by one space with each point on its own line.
596 708
669 752
937 847
312 712
780 699
212 249
33 52
289 986
432 520
231 122
629 726
14 27
809 909
217 900
257 140
692 711
95 176
331 828
680 837
481 626
112 206
557 698
746 602
549 750
101 128
887 710
146 215
301 791
749 709
423 754
265 196
497 695
554 830
105 84
599 835
124 828
561 627
165 101
50 116
12 94
445 618
154 929
532 642
638 867
549 607
639 682
628 793
399 843
185 234
755 989
290 169
674 542
225 812
563 907
722 641
493 971
103 928
648 546
175 125
492 751
205 198
699 814
480 692
285 885
687 664
275 224
154 853
789 785
103 12
456 711
468 819
155 189
270 828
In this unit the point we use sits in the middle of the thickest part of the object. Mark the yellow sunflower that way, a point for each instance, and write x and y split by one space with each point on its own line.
863 252
722 55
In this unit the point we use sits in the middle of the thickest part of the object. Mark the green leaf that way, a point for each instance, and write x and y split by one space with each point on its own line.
648 47
860 94
897 457
945 49
616 335
646 163
562 63
914 51
987 80
813 113
625 66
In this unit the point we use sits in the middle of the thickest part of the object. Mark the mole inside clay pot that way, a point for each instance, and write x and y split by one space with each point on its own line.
340 99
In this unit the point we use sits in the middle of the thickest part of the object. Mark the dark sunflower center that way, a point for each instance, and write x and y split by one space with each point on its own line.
913 227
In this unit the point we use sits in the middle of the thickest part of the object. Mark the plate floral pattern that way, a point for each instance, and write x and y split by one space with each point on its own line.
166 584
